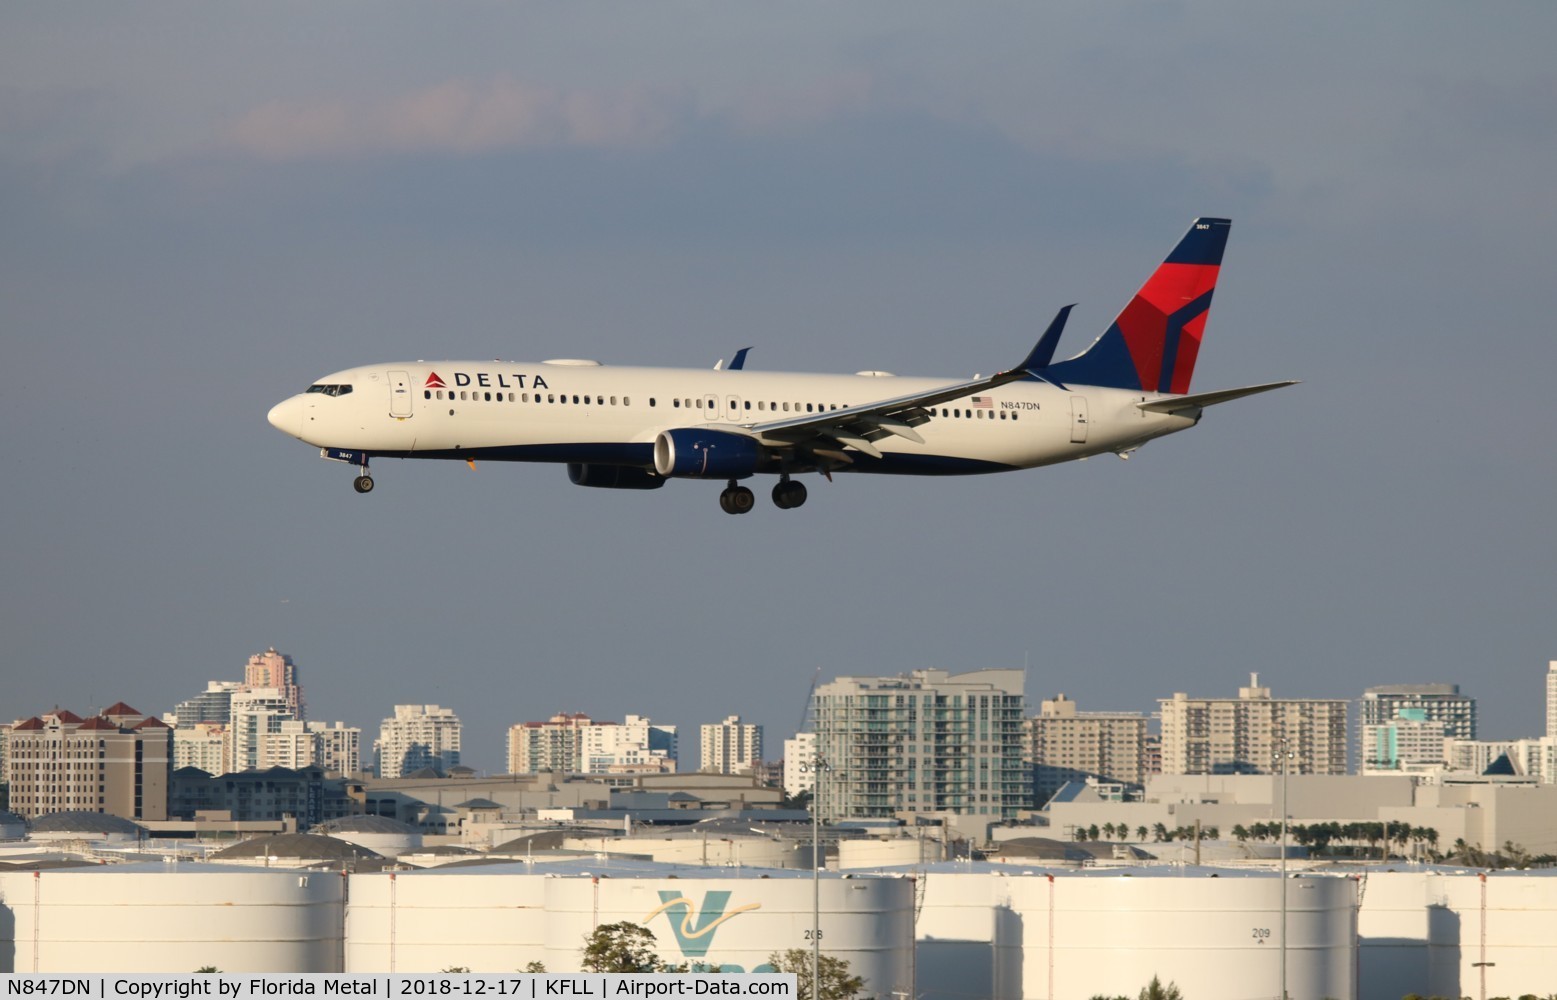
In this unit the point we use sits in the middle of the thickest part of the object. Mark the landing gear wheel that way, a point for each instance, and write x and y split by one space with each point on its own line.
363 484
789 494
737 500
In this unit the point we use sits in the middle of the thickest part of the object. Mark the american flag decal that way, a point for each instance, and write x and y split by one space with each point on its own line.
983 403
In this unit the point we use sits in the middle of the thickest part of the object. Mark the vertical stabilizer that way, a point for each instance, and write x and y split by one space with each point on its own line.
1152 345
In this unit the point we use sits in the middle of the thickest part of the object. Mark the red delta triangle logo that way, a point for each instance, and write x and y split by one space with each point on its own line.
434 382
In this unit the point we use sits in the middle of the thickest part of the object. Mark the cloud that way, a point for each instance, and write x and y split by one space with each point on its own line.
461 116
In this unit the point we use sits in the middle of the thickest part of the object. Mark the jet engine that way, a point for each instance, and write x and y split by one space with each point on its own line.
613 477
694 453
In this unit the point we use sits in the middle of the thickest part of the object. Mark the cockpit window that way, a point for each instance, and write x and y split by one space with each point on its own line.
330 390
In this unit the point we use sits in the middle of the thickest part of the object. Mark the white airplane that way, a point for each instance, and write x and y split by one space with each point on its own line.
636 428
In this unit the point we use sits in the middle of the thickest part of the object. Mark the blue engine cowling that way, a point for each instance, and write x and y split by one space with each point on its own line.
690 452
613 477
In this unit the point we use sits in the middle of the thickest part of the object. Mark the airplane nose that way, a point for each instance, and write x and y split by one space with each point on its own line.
287 416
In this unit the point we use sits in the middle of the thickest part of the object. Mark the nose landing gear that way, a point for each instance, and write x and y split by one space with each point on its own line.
364 482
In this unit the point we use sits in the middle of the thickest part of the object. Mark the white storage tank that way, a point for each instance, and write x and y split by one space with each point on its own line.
486 918
874 853
745 851
737 918
1215 933
1030 933
1513 912
387 837
170 918
1394 926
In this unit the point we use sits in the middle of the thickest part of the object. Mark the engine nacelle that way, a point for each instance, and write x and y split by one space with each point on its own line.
694 453
613 477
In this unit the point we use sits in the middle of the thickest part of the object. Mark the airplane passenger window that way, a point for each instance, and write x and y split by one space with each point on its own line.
489 397
808 407
748 404
462 393
1015 415
510 397
549 398
628 401
575 399
613 400
676 403
427 394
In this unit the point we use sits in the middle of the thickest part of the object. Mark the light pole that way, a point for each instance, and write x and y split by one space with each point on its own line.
1284 755
818 768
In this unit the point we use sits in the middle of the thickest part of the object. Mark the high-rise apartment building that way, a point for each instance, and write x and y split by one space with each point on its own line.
1551 700
1410 740
203 745
730 747
576 744
116 762
214 704
418 736
1242 735
271 669
926 742
1440 704
258 715
1064 745
799 753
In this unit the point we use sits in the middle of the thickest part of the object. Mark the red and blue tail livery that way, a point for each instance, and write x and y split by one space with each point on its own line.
636 428
1153 343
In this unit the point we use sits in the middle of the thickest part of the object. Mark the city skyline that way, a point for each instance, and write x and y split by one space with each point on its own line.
207 208
688 755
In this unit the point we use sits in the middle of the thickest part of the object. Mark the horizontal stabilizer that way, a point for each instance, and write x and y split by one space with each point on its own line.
1201 400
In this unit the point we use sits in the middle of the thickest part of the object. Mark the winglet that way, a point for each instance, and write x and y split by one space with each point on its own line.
1043 352
740 360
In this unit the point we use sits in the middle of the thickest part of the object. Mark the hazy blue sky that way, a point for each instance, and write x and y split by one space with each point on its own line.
205 207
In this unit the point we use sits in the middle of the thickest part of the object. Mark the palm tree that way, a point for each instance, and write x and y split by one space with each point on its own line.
1141 833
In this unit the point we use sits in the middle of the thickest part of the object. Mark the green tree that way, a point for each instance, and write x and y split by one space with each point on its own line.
535 967
836 982
1141 833
1154 990
621 947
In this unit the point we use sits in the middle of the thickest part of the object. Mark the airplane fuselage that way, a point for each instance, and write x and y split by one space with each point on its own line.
572 412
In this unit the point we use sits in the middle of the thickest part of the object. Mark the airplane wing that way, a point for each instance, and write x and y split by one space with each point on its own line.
858 427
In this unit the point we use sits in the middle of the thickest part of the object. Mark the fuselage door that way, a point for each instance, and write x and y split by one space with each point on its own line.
1078 420
710 407
733 414
399 395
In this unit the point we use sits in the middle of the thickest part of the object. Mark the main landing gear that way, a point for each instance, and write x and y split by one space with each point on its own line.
736 499
363 483
787 494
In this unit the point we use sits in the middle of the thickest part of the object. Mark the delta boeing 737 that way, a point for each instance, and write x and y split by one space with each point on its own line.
636 428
